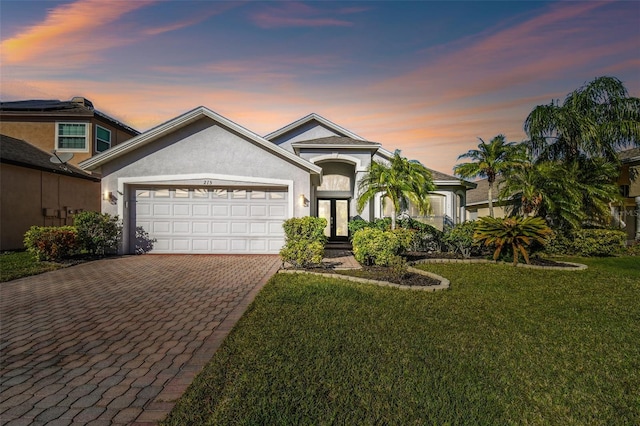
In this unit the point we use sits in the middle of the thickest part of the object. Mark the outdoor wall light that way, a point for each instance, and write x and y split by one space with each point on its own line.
107 195
303 201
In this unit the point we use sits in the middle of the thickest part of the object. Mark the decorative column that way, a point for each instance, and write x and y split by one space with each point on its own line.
637 215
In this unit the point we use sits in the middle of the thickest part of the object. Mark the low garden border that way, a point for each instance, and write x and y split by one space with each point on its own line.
445 284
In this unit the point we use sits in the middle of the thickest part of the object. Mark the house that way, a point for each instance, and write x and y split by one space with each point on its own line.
626 216
201 183
65 126
628 213
35 191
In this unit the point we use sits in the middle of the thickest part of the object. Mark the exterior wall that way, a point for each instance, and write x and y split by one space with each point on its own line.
26 192
476 212
201 152
41 132
311 130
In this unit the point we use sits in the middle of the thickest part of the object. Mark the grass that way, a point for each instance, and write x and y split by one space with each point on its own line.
14 265
504 346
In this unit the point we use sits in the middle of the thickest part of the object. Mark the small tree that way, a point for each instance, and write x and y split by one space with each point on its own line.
516 232
98 233
401 182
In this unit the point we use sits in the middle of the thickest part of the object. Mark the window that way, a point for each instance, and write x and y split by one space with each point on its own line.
72 136
103 139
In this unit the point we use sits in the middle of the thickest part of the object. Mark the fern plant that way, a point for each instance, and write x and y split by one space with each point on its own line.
515 232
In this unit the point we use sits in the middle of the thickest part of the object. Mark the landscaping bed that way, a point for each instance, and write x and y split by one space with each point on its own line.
537 261
386 274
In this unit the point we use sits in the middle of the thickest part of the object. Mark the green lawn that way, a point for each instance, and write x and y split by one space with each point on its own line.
15 265
504 346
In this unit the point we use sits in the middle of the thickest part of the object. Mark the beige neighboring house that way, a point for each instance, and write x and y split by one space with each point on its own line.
65 126
35 191
626 216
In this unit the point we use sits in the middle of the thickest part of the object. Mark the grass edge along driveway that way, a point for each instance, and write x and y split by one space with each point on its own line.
504 346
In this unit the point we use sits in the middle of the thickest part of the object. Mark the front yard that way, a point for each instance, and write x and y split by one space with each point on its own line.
504 346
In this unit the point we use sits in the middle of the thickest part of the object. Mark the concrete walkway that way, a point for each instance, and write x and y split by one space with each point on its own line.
117 341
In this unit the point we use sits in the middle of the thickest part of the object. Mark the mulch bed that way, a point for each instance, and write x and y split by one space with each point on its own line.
379 273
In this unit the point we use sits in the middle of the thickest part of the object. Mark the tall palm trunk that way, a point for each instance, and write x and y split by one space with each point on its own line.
491 199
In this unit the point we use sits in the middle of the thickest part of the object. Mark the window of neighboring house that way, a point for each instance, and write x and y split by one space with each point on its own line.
72 136
103 139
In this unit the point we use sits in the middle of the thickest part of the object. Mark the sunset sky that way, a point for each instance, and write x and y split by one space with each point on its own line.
426 77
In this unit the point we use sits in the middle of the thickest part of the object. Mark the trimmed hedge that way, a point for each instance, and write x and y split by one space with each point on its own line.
425 237
51 242
373 246
459 239
588 242
305 239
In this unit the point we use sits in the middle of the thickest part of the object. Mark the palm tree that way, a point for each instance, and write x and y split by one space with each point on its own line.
568 194
401 182
488 161
593 121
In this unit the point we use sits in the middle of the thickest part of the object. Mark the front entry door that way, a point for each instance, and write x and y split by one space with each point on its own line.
336 212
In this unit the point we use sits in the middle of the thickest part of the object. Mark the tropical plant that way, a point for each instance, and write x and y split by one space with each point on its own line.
401 181
515 232
488 161
593 121
568 194
51 242
459 238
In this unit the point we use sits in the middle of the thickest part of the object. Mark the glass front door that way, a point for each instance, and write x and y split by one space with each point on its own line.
337 214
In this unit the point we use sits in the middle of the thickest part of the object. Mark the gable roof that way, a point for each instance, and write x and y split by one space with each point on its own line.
480 194
52 107
311 117
335 142
21 153
182 121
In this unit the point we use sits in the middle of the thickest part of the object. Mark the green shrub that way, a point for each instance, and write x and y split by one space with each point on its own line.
51 242
459 239
372 246
305 239
587 242
598 242
425 237
98 233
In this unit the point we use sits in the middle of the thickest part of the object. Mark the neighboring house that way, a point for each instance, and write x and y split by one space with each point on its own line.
34 191
65 126
478 200
201 183
629 182
627 216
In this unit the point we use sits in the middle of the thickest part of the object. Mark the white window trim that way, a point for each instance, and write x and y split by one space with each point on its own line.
96 139
87 145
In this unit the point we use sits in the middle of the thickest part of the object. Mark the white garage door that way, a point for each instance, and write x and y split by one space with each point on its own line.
212 220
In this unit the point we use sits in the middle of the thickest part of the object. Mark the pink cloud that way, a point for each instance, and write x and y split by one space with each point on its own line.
215 9
67 36
293 14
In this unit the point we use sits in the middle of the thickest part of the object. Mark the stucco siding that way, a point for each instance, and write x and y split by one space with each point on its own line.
308 131
27 192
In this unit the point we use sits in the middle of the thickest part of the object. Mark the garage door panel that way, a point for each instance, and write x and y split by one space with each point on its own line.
200 245
277 211
220 228
181 210
220 210
201 210
161 209
259 211
239 211
181 227
200 227
239 228
212 220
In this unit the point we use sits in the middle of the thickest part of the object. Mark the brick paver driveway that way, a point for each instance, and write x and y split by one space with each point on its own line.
117 340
